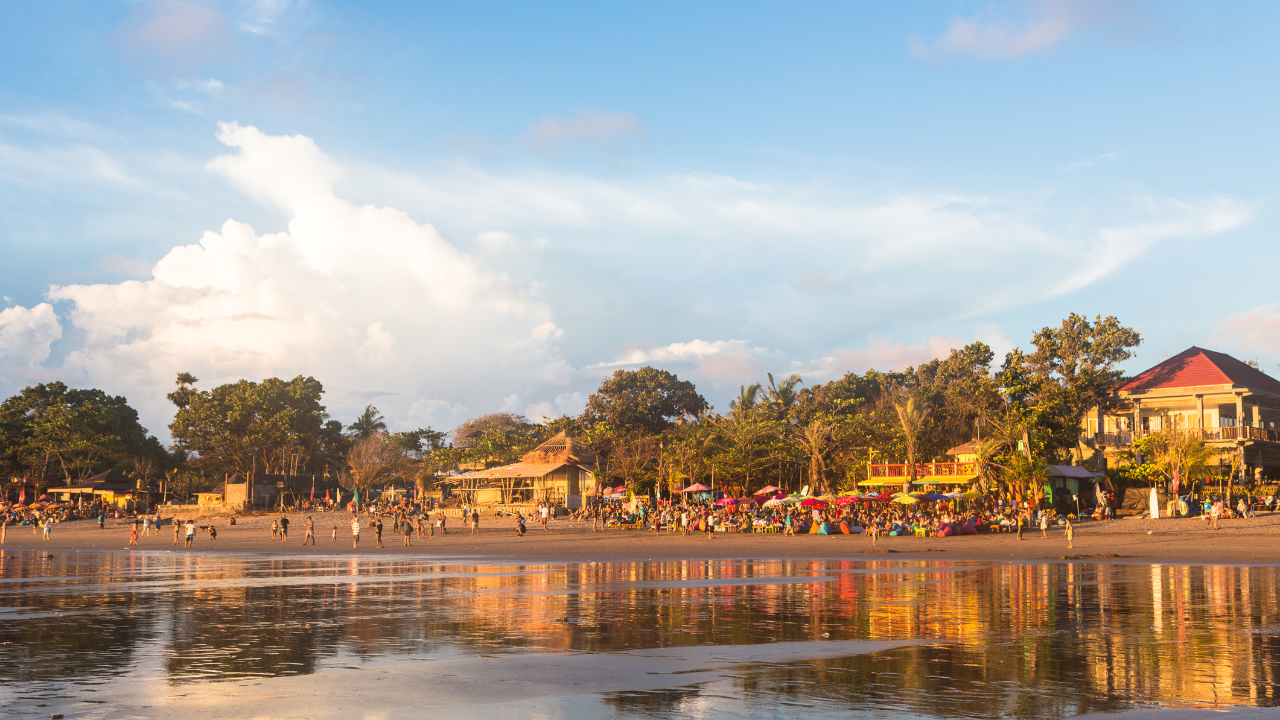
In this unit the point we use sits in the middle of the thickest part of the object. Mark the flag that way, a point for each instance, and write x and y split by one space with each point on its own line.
356 497
22 496
326 495
1176 476
313 493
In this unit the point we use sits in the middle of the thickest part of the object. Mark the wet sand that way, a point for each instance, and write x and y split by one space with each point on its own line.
1253 541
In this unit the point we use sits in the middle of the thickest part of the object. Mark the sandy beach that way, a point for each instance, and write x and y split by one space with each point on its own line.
1252 541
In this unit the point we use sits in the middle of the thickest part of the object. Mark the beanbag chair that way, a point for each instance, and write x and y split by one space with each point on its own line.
856 530
824 529
968 530
844 528
946 531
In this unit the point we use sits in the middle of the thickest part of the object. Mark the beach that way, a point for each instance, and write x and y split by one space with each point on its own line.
1248 541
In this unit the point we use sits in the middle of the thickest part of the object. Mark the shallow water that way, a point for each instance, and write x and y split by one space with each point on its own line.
965 639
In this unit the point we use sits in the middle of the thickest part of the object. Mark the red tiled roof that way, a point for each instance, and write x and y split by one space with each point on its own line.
1197 367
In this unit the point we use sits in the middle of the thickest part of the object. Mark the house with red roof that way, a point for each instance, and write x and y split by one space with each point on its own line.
1232 405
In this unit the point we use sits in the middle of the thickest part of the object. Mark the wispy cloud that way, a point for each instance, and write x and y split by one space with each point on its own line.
183 32
1169 219
585 125
1102 159
1039 28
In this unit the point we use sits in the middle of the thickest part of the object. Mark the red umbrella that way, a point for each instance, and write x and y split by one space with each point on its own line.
768 490
811 502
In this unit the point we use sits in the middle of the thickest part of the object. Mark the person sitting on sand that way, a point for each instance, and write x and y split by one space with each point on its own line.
213 533
520 528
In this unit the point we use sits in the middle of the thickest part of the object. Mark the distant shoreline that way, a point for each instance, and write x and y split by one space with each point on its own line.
1254 541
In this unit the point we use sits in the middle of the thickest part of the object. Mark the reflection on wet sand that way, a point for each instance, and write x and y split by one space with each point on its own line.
991 639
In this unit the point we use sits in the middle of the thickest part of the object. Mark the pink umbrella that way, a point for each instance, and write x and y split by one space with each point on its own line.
811 502
696 487
768 490
726 501
846 500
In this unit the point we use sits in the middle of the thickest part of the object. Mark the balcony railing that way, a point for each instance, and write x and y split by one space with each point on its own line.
923 470
1218 434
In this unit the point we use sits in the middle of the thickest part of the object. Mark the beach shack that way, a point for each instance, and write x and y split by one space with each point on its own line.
954 475
559 471
115 488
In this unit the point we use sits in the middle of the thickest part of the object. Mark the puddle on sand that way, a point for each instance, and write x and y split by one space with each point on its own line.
986 640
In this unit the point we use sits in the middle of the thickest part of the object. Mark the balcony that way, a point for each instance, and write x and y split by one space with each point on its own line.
923 470
1218 434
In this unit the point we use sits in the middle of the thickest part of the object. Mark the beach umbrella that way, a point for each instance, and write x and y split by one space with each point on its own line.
813 503
954 495
768 490
773 502
905 500
847 500
696 487
726 501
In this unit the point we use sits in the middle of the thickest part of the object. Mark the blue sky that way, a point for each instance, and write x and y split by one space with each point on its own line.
458 208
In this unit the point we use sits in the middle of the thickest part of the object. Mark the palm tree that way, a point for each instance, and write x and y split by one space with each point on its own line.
369 422
748 395
911 416
182 396
784 393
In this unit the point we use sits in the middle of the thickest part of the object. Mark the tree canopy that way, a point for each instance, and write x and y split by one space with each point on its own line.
647 400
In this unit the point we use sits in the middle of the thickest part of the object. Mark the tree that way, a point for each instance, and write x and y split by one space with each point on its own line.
748 396
647 400
369 422
630 457
186 389
374 460
911 418
52 431
497 437
245 426
783 394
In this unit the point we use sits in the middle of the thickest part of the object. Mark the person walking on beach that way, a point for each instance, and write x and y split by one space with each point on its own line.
335 533
4 528
133 535
684 521
475 521
1022 516
355 533
284 529
1215 510
546 513
275 530
377 532
310 533
146 526
177 526
191 532
102 524
47 527
1044 524
1071 534
408 532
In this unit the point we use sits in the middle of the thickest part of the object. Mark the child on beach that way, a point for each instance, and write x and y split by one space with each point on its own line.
133 535
335 533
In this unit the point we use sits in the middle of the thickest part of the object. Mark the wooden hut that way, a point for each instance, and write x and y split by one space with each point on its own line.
557 471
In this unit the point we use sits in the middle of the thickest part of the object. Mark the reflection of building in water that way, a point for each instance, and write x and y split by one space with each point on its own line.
1000 639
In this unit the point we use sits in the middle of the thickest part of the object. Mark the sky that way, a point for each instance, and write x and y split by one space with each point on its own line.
452 209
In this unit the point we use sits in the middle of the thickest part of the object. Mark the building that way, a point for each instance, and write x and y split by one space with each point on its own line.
115 488
1234 407
559 471
948 475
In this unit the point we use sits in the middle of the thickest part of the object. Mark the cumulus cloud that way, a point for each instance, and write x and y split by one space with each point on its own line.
26 336
586 125
362 297
1046 25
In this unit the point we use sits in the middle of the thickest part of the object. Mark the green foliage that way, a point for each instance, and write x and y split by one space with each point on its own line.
498 438
52 433
369 422
646 401
243 426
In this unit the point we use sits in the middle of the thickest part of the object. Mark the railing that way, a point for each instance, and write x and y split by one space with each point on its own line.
923 470
1218 434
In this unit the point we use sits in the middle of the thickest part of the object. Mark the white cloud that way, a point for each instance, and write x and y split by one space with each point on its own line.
26 335
1169 219
351 294
881 354
438 414
1047 24
564 404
